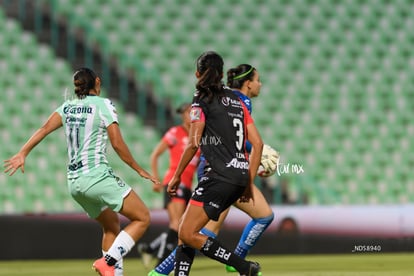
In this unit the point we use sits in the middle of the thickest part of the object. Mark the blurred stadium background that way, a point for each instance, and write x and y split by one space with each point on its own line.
337 95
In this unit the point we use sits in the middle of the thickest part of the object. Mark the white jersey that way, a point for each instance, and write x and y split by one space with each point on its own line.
85 122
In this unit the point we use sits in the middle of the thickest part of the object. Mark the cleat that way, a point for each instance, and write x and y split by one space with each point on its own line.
146 257
229 268
155 273
254 270
103 268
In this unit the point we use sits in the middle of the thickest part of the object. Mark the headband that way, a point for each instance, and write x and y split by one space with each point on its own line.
244 74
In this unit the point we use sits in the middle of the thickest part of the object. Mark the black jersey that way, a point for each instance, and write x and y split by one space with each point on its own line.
223 141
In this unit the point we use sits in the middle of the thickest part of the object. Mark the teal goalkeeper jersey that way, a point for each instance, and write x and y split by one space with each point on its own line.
85 122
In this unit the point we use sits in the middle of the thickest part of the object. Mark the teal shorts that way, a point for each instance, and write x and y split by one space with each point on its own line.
99 189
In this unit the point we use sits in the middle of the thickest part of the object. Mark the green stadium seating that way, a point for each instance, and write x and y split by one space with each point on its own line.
336 95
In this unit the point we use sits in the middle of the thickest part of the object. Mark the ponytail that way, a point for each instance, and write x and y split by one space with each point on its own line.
84 81
210 67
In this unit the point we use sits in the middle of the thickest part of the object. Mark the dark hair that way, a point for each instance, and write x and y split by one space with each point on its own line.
210 66
84 80
237 76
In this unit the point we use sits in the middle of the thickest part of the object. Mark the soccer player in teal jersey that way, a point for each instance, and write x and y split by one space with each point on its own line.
88 121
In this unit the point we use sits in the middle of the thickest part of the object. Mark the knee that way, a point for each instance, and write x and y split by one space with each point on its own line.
186 239
185 235
269 214
266 219
142 218
146 219
182 235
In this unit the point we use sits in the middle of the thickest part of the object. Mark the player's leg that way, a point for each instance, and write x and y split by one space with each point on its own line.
193 220
164 244
101 195
175 210
213 226
154 248
149 250
210 230
210 199
135 210
109 221
167 265
262 216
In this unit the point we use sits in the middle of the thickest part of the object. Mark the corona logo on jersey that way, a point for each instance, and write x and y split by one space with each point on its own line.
73 109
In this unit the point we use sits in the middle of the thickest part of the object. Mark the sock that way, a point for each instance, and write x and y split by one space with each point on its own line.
121 246
169 245
214 250
184 257
172 240
251 234
208 233
167 265
119 265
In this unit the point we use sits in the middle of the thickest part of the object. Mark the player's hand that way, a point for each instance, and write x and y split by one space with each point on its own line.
157 187
155 181
173 185
144 174
13 164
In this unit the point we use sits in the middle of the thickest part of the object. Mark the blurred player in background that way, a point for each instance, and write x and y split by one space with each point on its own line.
244 80
220 126
88 121
175 141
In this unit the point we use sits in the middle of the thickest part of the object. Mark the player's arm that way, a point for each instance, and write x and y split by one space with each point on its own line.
256 144
195 133
256 141
256 152
17 161
161 147
121 148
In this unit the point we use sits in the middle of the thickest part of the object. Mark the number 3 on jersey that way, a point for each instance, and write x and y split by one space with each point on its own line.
239 133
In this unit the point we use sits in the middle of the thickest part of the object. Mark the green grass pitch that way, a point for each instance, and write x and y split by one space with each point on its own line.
378 264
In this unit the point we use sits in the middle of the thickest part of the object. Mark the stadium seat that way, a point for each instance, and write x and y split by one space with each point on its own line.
335 81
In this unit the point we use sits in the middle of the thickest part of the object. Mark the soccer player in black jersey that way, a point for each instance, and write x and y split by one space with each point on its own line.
220 126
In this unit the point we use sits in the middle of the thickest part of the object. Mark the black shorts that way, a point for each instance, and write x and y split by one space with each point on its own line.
183 195
215 196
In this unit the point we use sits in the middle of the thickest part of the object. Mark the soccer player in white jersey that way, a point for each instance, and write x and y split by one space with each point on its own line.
88 121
